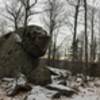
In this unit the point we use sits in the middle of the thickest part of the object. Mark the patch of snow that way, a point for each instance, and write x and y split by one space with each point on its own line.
61 72
97 82
40 93
37 97
7 79
61 87
39 90
55 79
21 80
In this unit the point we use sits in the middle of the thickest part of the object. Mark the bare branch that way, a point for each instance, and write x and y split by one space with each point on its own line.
33 4
14 10
39 12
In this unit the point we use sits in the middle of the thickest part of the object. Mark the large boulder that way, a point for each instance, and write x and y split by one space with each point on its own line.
35 40
17 55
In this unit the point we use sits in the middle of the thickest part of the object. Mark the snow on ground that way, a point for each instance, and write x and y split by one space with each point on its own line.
91 91
59 71
41 93
61 87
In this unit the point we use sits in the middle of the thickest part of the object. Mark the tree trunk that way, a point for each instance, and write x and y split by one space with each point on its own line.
16 24
75 30
92 36
54 53
86 39
51 35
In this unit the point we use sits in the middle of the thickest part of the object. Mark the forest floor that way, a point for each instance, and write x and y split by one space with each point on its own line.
42 94
90 91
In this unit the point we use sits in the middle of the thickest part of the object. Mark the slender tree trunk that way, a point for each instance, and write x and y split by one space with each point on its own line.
49 53
25 25
86 39
50 46
81 52
99 40
51 35
92 37
54 53
75 31
27 9
16 24
25 21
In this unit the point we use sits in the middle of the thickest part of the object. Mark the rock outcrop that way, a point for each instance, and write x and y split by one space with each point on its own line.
19 53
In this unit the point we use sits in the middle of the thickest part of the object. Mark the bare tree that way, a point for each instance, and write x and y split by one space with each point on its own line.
55 49
86 38
92 36
51 20
99 36
28 5
93 44
81 51
77 4
14 12
74 43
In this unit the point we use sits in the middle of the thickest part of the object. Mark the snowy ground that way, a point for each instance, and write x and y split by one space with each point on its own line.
91 91
40 93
